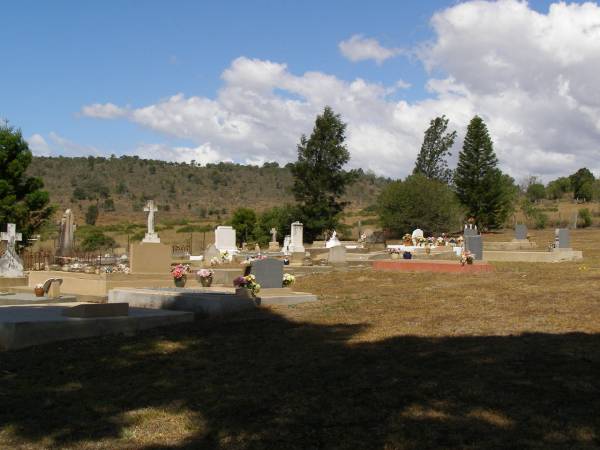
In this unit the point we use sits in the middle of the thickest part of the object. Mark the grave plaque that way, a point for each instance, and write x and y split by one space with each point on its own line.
474 244
268 273
562 238
225 239
337 255
521 231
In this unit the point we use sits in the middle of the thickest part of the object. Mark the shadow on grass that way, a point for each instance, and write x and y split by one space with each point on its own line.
265 382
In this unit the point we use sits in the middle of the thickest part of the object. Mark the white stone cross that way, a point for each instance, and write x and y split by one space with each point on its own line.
274 234
11 236
150 209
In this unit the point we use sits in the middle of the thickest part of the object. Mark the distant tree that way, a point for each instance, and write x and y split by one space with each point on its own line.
91 215
418 202
487 194
95 239
535 192
22 200
109 205
556 189
244 221
319 177
582 182
432 159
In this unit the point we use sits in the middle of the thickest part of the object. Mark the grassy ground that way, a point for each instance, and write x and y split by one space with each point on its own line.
385 360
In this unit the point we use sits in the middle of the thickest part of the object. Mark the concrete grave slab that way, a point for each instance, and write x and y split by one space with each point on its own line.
88 310
25 326
26 298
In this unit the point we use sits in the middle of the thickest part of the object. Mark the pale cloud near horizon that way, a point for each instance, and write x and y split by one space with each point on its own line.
38 145
360 48
530 75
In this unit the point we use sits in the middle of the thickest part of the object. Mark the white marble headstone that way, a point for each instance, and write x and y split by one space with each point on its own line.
151 235
417 234
225 239
297 242
10 263
333 241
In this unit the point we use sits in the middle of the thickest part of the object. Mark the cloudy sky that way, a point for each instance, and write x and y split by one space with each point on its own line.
241 81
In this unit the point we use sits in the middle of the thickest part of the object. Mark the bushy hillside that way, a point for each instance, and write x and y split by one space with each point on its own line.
120 187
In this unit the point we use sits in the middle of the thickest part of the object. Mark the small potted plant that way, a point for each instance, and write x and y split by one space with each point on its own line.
246 286
179 274
205 277
466 258
39 290
288 279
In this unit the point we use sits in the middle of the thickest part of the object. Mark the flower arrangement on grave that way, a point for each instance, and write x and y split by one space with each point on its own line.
179 274
421 241
247 282
407 239
466 257
288 279
205 277
38 290
440 242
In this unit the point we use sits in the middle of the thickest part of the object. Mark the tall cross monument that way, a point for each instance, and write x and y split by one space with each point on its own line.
10 263
151 235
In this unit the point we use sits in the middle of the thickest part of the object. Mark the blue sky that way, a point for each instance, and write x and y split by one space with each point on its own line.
64 55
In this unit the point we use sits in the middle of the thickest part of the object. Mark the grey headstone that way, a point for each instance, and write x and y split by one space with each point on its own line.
337 255
474 244
470 232
211 252
521 231
268 272
562 237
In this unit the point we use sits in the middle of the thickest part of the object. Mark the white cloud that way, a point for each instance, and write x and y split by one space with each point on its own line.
531 76
67 147
103 111
203 154
38 145
360 48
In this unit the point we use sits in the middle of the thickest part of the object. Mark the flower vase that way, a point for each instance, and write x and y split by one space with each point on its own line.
179 282
206 281
395 255
38 291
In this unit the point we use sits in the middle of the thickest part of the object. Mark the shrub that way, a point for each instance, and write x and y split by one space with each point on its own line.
584 217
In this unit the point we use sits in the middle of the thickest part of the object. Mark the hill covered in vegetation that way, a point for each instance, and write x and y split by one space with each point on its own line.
121 186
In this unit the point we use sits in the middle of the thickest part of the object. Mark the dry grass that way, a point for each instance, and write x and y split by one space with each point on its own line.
385 360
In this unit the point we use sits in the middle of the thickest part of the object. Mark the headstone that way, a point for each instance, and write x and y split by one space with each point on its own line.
297 241
273 245
257 248
211 252
470 232
474 244
416 235
10 263
268 272
151 236
521 232
225 239
337 255
66 234
562 238
333 241
286 244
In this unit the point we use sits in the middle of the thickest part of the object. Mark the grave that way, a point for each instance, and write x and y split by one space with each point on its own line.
333 241
149 258
268 272
151 236
89 310
337 255
440 266
521 232
225 239
297 239
211 252
416 235
25 326
66 234
273 245
11 265
27 298
474 244
562 239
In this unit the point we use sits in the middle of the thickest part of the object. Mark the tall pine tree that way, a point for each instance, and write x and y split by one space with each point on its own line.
319 177
481 187
22 200
435 149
